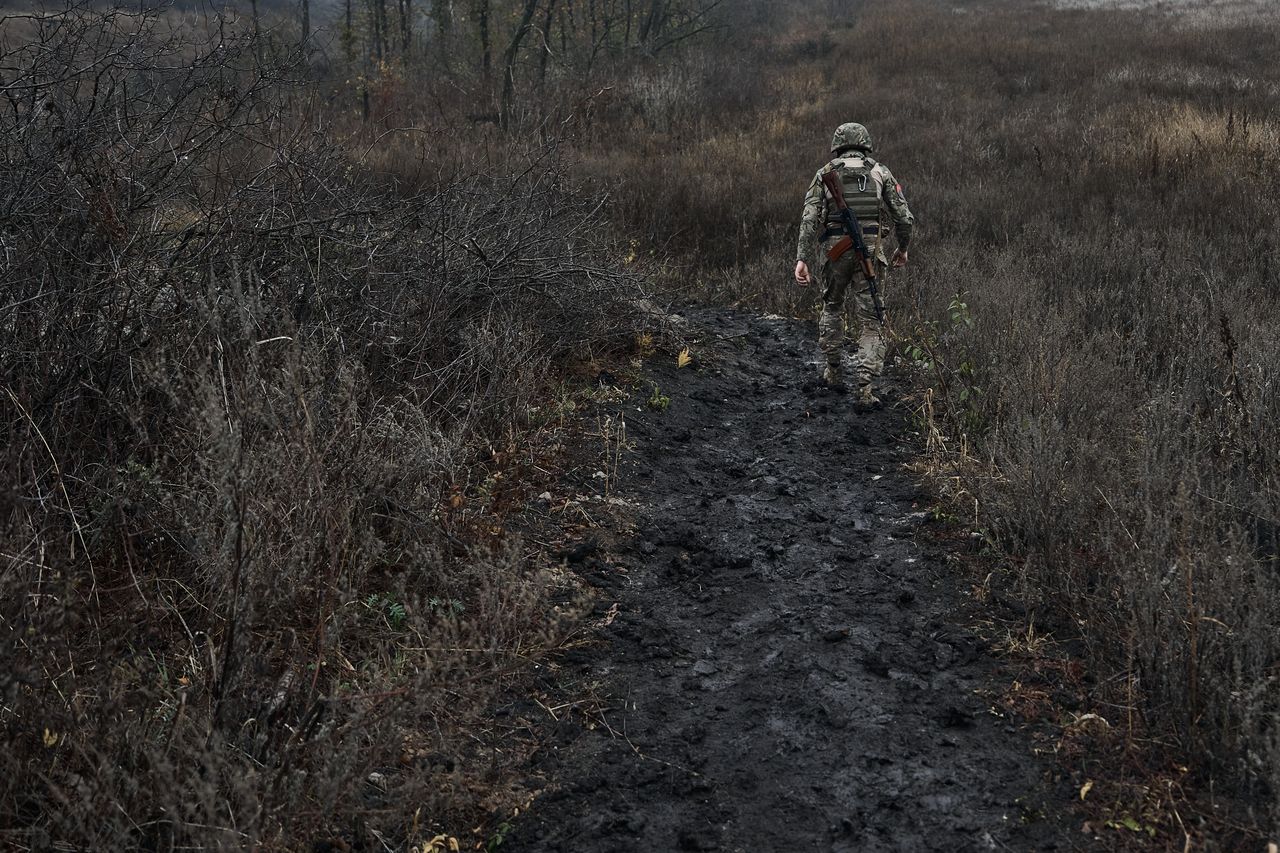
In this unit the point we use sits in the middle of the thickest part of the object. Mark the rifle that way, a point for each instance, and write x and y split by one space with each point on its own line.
852 240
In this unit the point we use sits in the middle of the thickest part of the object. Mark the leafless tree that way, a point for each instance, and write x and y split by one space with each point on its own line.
509 60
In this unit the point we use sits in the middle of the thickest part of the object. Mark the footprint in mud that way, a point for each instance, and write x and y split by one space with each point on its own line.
797 680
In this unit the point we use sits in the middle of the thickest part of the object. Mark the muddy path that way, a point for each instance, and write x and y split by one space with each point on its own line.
788 668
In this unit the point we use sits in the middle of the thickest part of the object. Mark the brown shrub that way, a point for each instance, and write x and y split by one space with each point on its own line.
241 379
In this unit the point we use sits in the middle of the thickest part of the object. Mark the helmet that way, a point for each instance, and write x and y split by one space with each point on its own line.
851 135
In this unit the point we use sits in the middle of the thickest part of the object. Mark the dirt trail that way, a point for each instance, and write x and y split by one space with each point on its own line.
786 671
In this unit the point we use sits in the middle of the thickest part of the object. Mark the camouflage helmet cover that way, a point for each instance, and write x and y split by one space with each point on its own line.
851 135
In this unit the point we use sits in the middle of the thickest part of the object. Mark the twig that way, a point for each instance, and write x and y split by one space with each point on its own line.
57 469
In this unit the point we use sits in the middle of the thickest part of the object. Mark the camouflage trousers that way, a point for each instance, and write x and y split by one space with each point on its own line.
838 279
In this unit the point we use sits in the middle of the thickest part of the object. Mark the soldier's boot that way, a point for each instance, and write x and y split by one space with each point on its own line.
833 376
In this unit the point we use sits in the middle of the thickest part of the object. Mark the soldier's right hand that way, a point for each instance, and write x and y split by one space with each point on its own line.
802 274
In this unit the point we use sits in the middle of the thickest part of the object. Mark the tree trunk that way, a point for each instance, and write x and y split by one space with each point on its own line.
591 15
349 37
486 51
509 63
546 41
442 13
566 21
379 28
651 25
257 32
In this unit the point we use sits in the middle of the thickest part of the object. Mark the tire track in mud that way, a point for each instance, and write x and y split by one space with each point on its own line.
786 671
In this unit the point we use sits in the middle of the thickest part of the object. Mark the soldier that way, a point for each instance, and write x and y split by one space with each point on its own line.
869 189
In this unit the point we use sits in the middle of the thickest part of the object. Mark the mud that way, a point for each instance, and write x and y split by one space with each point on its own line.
788 668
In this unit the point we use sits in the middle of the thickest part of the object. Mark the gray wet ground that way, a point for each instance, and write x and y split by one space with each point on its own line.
788 669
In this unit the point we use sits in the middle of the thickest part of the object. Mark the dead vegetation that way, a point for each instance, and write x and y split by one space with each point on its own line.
264 415
1091 305
278 332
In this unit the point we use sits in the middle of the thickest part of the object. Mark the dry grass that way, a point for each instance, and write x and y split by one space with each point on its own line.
1092 301
264 437
269 408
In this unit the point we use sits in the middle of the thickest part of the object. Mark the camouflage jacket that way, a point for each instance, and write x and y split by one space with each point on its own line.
870 190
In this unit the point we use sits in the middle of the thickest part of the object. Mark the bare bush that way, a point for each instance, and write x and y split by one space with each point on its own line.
243 377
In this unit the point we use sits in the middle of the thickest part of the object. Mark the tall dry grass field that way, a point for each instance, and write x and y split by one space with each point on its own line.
278 325
1094 297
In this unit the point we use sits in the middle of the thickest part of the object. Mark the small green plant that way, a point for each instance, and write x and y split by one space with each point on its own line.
446 606
499 837
556 409
964 375
941 515
385 607
918 356
957 380
958 312
658 401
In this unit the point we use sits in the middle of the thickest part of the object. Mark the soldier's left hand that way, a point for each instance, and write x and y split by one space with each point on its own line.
899 258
